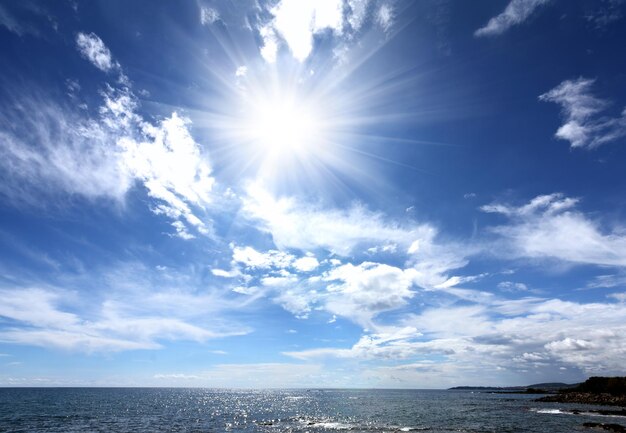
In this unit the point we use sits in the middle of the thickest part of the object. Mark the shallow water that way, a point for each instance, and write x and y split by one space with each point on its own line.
281 411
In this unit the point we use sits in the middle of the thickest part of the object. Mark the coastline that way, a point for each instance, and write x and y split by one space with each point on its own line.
604 399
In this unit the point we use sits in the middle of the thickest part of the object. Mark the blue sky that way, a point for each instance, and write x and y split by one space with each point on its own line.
332 193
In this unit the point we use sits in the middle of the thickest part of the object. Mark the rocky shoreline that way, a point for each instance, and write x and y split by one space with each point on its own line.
605 391
604 399
604 426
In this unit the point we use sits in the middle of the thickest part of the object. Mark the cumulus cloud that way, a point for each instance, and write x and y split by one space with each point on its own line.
358 292
584 125
550 227
516 12
94 50
251 258
296 23
362 292
306 264
539 336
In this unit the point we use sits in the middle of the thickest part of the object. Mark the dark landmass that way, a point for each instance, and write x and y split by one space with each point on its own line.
537 388
608 391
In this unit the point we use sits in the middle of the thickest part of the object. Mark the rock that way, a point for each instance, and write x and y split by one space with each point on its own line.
586 398
609 427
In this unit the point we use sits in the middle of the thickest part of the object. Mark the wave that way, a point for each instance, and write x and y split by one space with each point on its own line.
577 412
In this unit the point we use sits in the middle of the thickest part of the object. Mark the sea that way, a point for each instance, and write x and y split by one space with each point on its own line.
281 411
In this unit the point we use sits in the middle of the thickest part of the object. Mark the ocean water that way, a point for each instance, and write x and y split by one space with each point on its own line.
281 411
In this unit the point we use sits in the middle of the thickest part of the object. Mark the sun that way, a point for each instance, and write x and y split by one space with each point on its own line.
283 125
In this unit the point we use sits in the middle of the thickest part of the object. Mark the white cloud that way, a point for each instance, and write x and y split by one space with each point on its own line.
208 15
620 297
387 248
251 258
357 292
606 12
169 163
8 21
261 375
269 49
516 12
584 125
541 335
127 307
177 376
510 286
362 292
297 21
306 264
358 13
48 148
550 227
300 225
53 149
602 281
241 71
41 320
225 274
385 16
279 281
94 50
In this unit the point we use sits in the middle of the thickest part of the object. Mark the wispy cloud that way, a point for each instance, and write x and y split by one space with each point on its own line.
54 148
294 224
358 13
584 125
257 375
516 12
129 310
208 15
385 16
94 50
606 12
549 226
8 21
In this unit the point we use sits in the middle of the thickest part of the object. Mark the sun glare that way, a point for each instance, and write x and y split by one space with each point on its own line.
282 126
